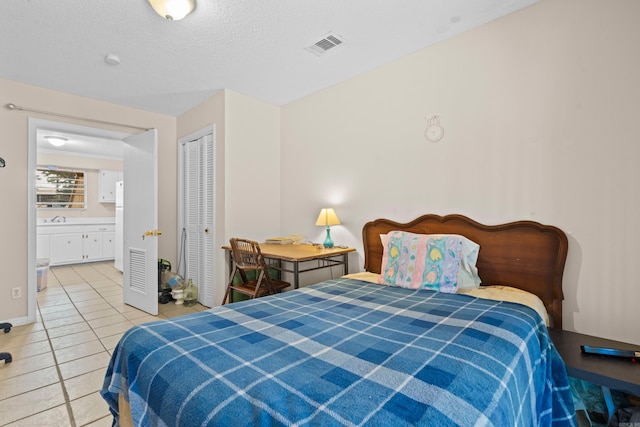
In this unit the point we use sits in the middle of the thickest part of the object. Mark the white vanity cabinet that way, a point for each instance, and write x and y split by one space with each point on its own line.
108 244
65 248
92 246
107 185
76 243
43 246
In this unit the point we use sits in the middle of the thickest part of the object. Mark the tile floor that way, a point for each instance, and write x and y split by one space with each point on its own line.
59 362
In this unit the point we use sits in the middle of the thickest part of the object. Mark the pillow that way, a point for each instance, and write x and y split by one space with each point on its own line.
468 275
442 262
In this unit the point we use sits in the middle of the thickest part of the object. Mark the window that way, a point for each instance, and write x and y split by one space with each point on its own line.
57 188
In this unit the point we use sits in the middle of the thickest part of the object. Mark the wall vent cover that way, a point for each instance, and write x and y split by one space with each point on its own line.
325 44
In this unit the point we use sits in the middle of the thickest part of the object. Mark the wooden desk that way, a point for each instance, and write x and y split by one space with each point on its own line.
293 255
607 372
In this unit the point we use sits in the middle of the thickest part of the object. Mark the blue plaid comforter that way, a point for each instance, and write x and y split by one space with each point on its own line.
344 352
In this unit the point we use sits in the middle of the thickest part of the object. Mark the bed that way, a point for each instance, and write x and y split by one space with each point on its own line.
351 352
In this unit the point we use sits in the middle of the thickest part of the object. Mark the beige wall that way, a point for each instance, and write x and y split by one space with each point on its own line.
247 190
252 157
540 116
16 250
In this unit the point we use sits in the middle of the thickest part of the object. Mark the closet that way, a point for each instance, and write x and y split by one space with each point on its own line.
196 213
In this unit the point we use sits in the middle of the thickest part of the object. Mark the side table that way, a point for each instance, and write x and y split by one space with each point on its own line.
607 372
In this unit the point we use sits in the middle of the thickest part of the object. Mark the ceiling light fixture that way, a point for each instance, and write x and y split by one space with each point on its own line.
56 141
173 10
112 59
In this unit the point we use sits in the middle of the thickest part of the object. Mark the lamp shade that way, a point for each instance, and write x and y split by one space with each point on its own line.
173 10
327 217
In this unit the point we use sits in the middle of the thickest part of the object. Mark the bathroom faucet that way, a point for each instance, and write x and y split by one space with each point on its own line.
55 218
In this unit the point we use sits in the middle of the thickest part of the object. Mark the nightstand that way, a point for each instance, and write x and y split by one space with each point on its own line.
607 372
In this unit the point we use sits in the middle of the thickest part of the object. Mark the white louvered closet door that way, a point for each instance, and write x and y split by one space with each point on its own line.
198 215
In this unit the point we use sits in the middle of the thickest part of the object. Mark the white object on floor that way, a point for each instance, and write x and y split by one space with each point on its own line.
178 295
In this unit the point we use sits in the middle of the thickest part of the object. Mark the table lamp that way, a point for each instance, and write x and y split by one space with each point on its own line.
327 218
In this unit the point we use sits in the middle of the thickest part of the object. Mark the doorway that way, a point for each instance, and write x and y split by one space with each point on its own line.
94 139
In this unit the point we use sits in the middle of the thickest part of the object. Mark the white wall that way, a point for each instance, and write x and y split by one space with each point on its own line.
540 115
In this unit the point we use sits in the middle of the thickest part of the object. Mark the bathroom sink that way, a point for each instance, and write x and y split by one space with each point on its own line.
75 221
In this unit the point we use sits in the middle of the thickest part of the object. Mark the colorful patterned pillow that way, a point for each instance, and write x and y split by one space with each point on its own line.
421 261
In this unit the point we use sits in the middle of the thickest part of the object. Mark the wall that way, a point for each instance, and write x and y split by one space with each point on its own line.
252 170
91 167
15 256
539 110
247 190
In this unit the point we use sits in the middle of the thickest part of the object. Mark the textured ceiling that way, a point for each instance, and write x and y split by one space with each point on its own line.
257 48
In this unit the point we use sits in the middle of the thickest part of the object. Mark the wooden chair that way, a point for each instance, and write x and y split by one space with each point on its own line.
247 257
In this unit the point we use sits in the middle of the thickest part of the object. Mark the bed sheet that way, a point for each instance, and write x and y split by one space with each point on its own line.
344 352
495 292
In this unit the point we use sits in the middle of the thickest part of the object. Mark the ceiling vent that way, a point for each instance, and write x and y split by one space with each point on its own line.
325 44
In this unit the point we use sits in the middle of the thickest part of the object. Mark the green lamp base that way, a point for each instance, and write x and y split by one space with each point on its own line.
328 243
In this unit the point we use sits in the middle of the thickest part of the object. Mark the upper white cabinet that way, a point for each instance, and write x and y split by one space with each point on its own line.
107 185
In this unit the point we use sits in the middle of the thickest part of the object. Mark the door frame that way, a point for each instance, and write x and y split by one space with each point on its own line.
36 124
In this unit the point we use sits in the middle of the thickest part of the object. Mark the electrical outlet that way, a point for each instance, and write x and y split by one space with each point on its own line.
16 293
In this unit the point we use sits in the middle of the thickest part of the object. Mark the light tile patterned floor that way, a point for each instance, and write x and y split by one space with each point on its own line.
59 362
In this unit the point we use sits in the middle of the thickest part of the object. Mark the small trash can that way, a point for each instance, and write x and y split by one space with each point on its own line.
42 268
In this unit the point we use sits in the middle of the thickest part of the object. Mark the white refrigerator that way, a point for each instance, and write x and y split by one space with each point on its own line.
119 237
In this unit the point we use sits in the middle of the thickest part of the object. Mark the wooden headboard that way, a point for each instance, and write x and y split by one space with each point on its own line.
523 254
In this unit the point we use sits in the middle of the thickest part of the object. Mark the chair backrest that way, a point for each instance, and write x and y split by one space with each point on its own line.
246 254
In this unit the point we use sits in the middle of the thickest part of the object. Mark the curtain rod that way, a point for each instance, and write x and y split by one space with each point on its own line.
17 107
